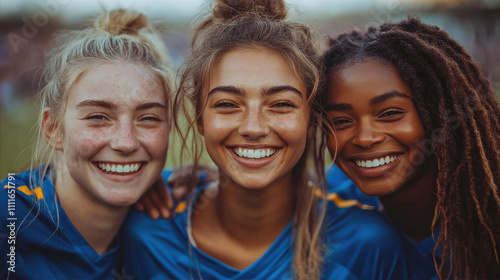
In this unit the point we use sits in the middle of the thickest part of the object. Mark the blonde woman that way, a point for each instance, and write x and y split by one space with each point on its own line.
105 120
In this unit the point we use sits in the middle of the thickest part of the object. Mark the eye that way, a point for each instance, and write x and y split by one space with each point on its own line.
97 117
391 114
151 118
225 105
283 104
340 123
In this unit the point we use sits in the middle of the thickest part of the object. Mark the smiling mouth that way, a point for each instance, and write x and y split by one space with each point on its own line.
254 153
376 162
114 168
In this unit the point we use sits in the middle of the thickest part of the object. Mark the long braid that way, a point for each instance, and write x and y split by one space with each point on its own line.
458 109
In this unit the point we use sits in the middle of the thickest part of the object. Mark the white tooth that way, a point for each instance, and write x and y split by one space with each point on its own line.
240 152
137 166
268 152
387 159
108 167
119 168
126 168
369 163
245 153
392 159
363 163
257 154
113 168
376 163
382 161
250 153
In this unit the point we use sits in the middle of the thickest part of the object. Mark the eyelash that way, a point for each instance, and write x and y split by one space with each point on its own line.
97 117
224 105
391 113
282 104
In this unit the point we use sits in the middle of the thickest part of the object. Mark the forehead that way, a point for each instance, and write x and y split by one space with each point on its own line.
369 76
119 82
254 67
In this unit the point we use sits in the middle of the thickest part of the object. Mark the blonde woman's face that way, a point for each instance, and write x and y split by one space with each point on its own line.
115 134
255 119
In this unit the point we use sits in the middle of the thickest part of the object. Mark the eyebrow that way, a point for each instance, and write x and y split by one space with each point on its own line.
109 105
374 101
264 92
388 95
97 103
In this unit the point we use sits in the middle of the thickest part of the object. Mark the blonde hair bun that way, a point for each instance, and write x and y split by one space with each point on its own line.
120 21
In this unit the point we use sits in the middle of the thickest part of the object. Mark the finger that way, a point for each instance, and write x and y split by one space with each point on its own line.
139 205
159 201
148 208
180 192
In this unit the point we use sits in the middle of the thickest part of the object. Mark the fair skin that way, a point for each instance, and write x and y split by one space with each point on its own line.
380 140
112 149
254 123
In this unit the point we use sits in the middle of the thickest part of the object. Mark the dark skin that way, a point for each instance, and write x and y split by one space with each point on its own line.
380 140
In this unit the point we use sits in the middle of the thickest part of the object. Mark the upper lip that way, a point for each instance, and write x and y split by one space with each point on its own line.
372 155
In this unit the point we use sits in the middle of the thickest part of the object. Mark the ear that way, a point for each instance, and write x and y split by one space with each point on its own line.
53 138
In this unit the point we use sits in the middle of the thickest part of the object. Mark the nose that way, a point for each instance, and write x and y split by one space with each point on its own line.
367 134
254 124
125 138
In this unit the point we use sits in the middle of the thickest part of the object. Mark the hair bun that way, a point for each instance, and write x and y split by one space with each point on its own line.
122 21
228 9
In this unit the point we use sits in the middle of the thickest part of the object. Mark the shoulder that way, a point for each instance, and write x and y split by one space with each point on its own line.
354 235
339 183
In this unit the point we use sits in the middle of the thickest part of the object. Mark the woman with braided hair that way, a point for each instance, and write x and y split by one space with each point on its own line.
416 123
251 81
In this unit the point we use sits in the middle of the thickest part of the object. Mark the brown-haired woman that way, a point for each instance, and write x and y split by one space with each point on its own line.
251 79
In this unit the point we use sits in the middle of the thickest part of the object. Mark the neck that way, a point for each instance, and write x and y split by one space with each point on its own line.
96 221
252 216
412 207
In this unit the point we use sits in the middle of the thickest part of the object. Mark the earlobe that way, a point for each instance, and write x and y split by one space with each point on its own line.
48 129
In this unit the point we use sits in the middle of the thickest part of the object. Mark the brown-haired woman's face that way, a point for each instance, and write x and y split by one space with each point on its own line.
379 132
255 119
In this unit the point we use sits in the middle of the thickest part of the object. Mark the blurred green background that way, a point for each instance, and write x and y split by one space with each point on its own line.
474 23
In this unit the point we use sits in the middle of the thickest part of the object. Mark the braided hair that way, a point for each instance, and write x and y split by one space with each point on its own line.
460 114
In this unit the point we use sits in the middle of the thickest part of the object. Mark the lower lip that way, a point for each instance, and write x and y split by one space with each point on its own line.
121 177
253 162
374 172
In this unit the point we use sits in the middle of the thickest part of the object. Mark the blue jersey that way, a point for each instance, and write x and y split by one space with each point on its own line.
40 242
162 249
419 255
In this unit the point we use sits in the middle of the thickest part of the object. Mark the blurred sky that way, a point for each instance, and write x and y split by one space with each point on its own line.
176 10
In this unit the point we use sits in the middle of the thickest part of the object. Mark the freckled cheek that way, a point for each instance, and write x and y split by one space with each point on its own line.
218 126
85 142
293 128
155 141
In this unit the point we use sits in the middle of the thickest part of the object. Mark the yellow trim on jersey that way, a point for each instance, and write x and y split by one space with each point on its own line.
24 189
344 203
181 207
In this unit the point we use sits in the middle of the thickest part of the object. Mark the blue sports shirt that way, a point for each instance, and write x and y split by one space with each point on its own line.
40 242
419 255
162 249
